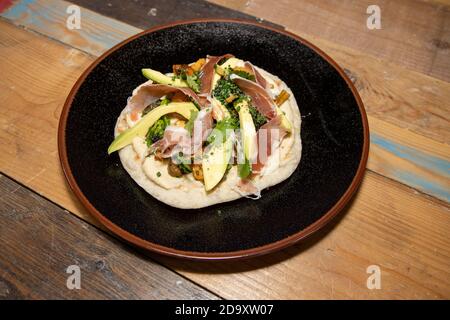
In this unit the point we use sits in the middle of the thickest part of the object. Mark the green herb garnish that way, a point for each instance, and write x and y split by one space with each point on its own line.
220 130
192 80
224 89
244 169
184 163
258 118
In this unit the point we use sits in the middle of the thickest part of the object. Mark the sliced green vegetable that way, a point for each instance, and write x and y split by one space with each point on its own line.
248 130
140 129
285 123
157 103
158 77
243 74
231 63
215 162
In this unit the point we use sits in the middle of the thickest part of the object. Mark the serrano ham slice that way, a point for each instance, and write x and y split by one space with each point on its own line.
207 74
175 139
178 139
269 136
258 77
246 188
148 93
260 98
202 128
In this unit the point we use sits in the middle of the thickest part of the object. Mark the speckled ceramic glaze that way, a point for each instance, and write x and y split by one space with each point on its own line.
334 135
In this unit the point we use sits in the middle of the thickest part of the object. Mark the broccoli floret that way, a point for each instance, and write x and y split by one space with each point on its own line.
156 131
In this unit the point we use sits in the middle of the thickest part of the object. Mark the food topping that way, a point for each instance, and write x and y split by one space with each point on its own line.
178 125
197 172
282 97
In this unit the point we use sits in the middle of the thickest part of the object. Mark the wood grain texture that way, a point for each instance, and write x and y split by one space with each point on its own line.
405 98
96 34
146 14
32 93
388 224
40 241
392 93
413 33
412 159
410 100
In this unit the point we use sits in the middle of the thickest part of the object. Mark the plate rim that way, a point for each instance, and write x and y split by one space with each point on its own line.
227 255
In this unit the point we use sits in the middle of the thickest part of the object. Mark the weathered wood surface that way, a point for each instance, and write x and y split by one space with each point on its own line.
413 34
40 241
146 14
388 224
384 221
411 101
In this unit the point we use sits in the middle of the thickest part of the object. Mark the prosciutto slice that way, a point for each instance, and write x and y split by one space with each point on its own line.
148 93
175 139
258 77
246 188
260 98
269 137
207 74
202 128
178 139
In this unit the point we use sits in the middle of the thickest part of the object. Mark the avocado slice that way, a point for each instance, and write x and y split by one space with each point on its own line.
140 129
231 62
248 130
158 77
285 123
214 163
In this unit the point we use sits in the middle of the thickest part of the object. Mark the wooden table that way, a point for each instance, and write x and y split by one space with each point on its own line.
399 220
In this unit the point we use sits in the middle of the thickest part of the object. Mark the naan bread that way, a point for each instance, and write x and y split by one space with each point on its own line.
186 192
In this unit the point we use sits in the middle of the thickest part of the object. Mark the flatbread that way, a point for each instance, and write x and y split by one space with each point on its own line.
186 192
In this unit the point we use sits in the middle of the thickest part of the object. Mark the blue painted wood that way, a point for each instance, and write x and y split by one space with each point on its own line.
48 17
436 179
99 33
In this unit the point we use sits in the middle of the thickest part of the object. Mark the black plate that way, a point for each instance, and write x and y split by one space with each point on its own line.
334 135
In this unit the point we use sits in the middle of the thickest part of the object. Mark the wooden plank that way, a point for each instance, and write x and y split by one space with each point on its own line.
411 100
97 32
144 15
388 224
409 158
404 98
441 60
32 93
410 35
39 242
